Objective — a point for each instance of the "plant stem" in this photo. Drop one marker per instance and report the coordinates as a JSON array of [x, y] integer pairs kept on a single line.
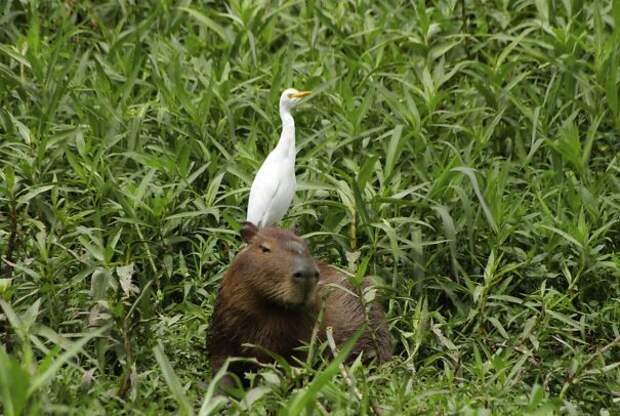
[[12, 243], [571, 378]]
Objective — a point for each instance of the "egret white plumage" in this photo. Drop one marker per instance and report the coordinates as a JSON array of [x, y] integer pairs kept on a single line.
[[274, 185]]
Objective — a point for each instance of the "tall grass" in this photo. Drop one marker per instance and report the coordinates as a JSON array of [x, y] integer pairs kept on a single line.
[[464, 152]]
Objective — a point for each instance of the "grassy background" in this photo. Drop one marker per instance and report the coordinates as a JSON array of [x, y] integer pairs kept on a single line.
[[465, 152]]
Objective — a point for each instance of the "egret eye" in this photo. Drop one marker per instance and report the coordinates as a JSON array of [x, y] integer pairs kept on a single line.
[[265, 249]]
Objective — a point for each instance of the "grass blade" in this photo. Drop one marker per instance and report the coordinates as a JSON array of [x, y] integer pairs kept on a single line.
[[178, 392]]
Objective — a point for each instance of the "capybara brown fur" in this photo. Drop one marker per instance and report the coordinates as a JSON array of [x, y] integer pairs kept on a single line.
[[271, 296]]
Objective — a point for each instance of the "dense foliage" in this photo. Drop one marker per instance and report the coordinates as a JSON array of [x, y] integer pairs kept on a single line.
[[463, 152]]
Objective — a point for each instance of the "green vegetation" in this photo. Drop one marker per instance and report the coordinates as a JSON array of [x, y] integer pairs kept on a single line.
[[465, 152]]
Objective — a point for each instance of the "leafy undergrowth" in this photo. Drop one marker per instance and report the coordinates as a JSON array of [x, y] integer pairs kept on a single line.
[[465, 151]]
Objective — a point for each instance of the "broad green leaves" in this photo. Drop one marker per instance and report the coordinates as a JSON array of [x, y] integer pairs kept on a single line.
[[465, 154]]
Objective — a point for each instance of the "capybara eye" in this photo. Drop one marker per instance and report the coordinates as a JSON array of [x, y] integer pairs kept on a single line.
[[265, 249]]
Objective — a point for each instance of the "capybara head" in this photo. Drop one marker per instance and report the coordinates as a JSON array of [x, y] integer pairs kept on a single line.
[[278, 266]]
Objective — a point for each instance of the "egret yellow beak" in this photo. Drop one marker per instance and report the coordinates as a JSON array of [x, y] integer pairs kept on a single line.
[[300, 94]]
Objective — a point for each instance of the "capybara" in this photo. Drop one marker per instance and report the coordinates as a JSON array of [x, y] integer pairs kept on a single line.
[[271, 297]]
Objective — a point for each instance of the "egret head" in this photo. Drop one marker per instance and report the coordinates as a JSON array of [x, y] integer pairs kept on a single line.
[[291, 97]]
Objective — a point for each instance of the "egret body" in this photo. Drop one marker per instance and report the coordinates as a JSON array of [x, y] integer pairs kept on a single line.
[[274, 185]]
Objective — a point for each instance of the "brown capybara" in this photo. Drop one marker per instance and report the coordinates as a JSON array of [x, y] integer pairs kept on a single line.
[[271, 296]]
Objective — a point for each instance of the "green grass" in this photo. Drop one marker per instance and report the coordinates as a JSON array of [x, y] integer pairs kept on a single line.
[[465, 152]]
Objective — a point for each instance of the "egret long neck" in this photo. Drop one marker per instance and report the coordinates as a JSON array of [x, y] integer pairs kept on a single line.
[[286, 145]]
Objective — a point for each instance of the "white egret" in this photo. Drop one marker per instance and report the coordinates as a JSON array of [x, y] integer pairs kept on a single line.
[[274, 185]]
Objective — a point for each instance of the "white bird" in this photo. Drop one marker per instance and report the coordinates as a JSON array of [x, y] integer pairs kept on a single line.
[[274, 185]]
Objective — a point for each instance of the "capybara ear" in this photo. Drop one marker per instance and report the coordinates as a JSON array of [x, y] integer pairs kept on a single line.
[[248, 231], [294, 229]]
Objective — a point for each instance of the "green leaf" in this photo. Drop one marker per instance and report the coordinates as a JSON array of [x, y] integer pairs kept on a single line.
[[470, 173], [615, 7], [5, 284], [211, 402], [178, 392], [11, 316], [300, 400], [14, 381], [207, 22], [394, 148], [24, 199], [41, 379], [564, 235], [611, 86], [366, 172]]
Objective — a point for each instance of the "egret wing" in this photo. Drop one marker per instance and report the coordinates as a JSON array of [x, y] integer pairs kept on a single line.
[[263, 191]]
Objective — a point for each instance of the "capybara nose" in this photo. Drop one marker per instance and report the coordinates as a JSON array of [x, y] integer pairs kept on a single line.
[[306, 272]]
